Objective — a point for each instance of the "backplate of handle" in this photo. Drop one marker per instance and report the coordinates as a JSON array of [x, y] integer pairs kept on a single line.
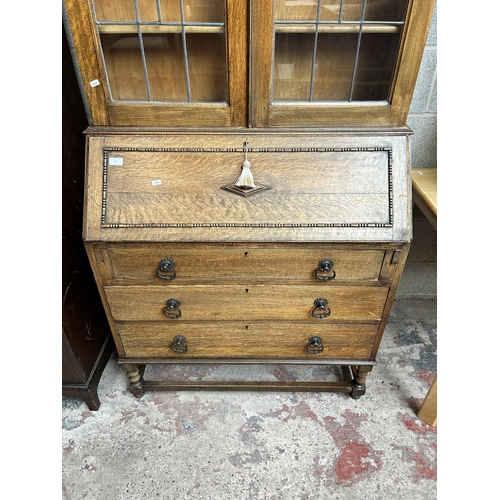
[[166, 269], [180, 344], [325, 271], [172, 309], [321, 309], [314, 345]]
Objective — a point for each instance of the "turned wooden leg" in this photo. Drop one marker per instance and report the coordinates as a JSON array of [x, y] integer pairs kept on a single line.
[[358, 385], [135, 377]]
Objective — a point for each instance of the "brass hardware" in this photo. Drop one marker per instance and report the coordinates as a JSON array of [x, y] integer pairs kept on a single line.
[[314, 345], [172, 305], [321, 309], [179, 344], [166, 266], [325, 267]]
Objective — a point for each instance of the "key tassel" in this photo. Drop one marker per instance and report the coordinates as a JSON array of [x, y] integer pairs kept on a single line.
[[245, 180]]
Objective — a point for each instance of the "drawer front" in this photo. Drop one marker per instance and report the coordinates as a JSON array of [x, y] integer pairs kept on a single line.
[[246, 303], [247, 340], [209, 262]]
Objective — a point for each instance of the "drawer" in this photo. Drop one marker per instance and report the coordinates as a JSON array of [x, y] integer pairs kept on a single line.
[[238, 262], [246, 303], [247, 340]]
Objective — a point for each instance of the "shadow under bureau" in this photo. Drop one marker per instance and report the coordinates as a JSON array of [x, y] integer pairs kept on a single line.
[[297, 264]]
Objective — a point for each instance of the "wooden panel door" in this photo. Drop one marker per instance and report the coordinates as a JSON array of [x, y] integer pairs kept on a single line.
[[165, 63], [335, 63]]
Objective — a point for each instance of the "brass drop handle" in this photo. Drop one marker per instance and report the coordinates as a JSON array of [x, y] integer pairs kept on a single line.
[[179, 344], [314, 345], [325, 270], [172, 305], [321, 309], [166, 269]]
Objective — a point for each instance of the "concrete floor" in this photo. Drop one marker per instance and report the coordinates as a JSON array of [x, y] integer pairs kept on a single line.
[[278, 445]]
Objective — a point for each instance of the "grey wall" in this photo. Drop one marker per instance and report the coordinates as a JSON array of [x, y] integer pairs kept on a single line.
[[422, 117], [420, 274]]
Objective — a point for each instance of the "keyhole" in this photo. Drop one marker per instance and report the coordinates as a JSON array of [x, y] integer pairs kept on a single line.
[[246, 290], [246, 254], [246, 326]]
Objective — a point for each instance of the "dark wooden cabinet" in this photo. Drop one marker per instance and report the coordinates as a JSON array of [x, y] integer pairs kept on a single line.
[[86, 338]]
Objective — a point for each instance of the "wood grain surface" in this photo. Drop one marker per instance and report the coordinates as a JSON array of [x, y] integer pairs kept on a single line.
[[246, 301], [195, 262], [247, 340], [325, 187]]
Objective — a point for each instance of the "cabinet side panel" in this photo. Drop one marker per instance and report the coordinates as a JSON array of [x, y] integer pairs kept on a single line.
[[392, 269], [95, 265], [401, 180]]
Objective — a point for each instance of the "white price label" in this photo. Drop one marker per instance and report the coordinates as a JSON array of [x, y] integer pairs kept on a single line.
[[157, 182], [115, 162], [94, 83]]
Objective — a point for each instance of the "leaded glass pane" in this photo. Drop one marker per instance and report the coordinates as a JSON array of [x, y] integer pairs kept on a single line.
[[163, 50], [336, 50]]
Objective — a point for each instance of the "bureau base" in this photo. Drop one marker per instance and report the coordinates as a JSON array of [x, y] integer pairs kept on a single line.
[[352, 382]]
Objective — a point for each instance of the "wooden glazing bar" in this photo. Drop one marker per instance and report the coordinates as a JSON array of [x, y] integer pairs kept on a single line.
[[114, 29], [337, 28]]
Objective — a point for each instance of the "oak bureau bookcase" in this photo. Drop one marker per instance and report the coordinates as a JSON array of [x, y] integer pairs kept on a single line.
[[248, 187]]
